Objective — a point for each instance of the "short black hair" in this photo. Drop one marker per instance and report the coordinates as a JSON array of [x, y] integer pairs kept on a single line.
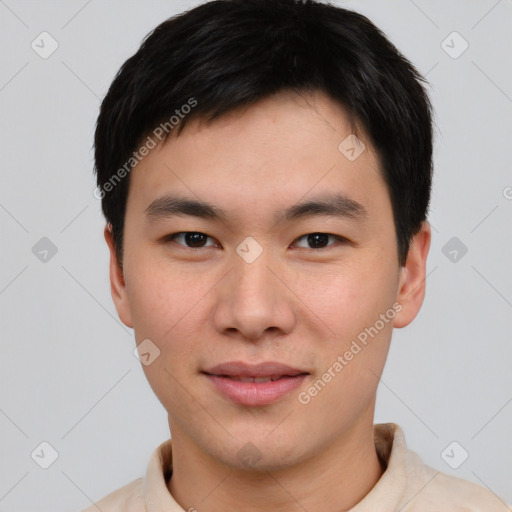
[[227, 54]]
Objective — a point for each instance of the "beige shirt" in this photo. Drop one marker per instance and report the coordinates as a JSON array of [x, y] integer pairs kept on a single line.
[[407, 485]]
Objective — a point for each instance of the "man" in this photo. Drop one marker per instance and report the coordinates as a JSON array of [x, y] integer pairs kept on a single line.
[[265, 170]]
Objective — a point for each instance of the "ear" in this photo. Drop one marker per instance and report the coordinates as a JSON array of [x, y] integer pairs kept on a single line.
[[411, 283], [117, 284]]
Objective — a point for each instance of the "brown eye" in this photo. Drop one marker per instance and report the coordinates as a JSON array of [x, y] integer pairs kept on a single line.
[[192, 239], [317, 240]]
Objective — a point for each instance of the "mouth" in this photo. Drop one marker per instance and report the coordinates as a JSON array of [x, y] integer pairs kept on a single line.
[[252, 385], [271, 370], [239, 378]]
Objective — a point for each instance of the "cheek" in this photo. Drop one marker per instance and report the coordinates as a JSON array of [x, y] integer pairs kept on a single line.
[[171, 307], [165, 308], [354, 354], [362, 307], [350, 296], [162, 301]]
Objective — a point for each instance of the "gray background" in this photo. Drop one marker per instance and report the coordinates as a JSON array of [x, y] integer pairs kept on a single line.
[[67, 372]]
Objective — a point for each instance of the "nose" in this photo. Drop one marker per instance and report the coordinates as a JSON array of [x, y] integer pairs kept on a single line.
[[253, 301]]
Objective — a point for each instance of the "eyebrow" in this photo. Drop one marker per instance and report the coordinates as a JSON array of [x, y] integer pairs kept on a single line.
[[335, 205]]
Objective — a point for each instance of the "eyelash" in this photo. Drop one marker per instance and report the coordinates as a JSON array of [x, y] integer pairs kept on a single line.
[[172, 238]]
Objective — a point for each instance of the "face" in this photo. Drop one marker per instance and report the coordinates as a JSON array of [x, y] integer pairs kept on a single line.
[[292, 260]]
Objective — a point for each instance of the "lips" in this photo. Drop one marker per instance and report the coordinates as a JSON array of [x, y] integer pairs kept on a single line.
[[255, 379], [238, 370], [254, 385]]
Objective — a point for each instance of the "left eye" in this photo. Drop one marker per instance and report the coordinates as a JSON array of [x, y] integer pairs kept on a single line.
[[317, 240], [193, 239]]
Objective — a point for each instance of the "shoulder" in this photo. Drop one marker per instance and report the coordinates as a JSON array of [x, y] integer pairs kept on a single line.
[[422, 488], [437, 490], [129, 498], [461, 495]]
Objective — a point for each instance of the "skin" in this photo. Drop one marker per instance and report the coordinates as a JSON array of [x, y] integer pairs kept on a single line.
[[294, 304]]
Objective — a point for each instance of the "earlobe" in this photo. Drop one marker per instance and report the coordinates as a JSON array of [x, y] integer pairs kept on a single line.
[[411, 285], [117, 282]]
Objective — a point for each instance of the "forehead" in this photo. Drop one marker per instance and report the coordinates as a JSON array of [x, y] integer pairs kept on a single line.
[[272, 153]]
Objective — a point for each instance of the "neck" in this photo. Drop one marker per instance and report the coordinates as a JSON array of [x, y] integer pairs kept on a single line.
[[334, 478]]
